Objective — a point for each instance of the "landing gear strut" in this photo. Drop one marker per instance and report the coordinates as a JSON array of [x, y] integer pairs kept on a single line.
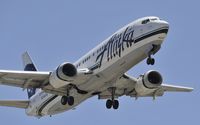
[[112, 102], [150, 60]]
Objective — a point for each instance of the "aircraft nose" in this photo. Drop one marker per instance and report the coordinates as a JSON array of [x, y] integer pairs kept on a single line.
[[164, 24]]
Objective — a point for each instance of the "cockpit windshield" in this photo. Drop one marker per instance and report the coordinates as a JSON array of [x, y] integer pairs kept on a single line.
[[145, 21], [149, 20]]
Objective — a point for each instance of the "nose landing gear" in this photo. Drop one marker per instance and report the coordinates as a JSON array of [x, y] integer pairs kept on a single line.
[[150, 60]]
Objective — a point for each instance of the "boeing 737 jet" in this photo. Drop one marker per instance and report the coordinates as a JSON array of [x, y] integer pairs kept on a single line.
[[101, 72]]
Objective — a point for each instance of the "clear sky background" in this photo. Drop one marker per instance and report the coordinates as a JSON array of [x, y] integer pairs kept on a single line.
[[54, 31]]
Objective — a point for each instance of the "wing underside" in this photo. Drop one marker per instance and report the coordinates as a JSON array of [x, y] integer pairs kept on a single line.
[[173, 88], [23, 79], [125, 85], [29, 79], [16, 104]]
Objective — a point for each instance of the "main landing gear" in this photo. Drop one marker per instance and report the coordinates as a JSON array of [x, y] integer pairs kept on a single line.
[[70, 99], [112, 102], [67, 99]]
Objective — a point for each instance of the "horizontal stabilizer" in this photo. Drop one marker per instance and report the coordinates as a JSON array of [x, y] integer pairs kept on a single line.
[[14, 103]]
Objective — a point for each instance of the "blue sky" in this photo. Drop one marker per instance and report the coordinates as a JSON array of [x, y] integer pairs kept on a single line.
[[54, 31]]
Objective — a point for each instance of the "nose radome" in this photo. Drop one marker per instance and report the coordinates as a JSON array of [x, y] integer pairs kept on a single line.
[[164, 23]]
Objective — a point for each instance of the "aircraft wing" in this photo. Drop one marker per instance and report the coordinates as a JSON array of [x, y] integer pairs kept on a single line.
[[125, 85], [23, 79], [17, 104], [172, 88], [29, 79]]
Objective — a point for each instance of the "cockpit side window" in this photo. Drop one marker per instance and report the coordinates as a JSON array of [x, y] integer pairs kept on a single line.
[[145, 21]]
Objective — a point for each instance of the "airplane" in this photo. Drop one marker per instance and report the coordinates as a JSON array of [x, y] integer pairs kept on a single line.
[[101, 72]]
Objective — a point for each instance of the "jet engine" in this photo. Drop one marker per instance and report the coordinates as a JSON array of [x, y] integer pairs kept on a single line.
[[148, 82], [67, 73], [63, 75]]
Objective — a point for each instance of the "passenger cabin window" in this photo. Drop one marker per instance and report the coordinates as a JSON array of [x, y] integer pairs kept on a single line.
[[145, 21]]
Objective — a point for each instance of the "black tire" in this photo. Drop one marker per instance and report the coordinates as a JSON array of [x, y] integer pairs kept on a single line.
[[70, 100], [115, 104], [64, 100], [148, 61], [109, 104], [152, 61]]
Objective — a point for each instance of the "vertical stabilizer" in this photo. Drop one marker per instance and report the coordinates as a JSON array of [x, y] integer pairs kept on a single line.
[[29, 66]]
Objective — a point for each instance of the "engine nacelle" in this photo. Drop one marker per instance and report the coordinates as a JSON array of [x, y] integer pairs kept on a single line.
[[63, 75], [148, 82], [67, 73]]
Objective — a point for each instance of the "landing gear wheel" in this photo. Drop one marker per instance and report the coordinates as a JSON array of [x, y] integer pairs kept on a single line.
[[115, 104], [150, 61], [64, 100], [109, 104], [70, 100]]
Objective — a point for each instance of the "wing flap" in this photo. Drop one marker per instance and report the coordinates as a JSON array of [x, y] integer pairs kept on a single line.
[[14, 103]]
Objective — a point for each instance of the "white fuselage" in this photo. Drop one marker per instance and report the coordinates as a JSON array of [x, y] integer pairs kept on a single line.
[[108, 61]]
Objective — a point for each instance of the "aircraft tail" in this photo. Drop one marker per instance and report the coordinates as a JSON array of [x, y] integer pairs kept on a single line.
[[29, 66]]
